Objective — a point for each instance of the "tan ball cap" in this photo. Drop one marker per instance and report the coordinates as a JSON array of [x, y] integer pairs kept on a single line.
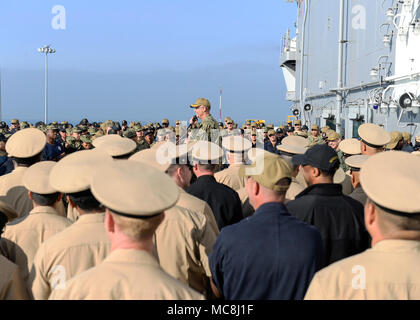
[[332, 136], [236, 144], [8, 211], [374, 135], [295, 141], [392, 180], [74, 172], [396, 137], [161, 158], [356, 161], [350, 146], [26, 143], [201, 102], [204, 152], [134, 189], [37, 178], [275, 169]]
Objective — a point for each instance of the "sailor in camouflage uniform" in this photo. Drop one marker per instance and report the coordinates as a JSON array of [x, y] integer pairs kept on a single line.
[[315, 137], [208, 129]]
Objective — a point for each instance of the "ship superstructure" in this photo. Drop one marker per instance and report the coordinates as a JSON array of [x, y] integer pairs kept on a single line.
[[353, 62]]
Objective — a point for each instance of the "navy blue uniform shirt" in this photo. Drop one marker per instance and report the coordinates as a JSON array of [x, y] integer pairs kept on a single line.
[[52, 151], [268, 256], [269, 147]]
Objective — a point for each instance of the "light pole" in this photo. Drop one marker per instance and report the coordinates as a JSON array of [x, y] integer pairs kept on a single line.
[[46, 50]]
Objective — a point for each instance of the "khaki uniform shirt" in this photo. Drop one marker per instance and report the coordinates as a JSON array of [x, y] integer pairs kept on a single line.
[[12, 286], [388, 271], [199, 206], [230, 177], [294, 189], [126, 274], [183, 243], [243, 195], [29, 232], [81, 246], [72, 213], [344, 179], [14, 193]]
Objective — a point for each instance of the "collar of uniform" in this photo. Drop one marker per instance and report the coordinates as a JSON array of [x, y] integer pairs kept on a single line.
[[235, 165], [91, 218], [322, 189], [181, 190], [396, 245], [207, 178], [277, 207], [44, 209], [20, 169], [132, 256]]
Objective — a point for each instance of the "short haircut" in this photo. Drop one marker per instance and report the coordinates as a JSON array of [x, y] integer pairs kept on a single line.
[[137, 229], [45, 199], [207, 167], [172, 169], [388, 222], [27, 162], [85, 201]]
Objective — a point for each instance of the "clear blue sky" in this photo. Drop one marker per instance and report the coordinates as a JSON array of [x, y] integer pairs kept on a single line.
[[144, 60]]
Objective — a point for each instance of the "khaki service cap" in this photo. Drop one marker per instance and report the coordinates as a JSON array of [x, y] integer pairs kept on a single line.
[[26, 143], [274, 169], [396, 137], [37, 177], [417, 138], [205, 152], [315, 127], [301, 134], [350, 146], [373, 135], [236, 144], [298, 122], [8, 211], [392, 181], [163, 157], [14, 121], [118, 148], [357, 161], [73, 173], [105, 139], [142, 192], [295, 141], [165, 121], [201, 102]]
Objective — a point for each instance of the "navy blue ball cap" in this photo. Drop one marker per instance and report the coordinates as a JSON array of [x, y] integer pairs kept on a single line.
[[319, 156]]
